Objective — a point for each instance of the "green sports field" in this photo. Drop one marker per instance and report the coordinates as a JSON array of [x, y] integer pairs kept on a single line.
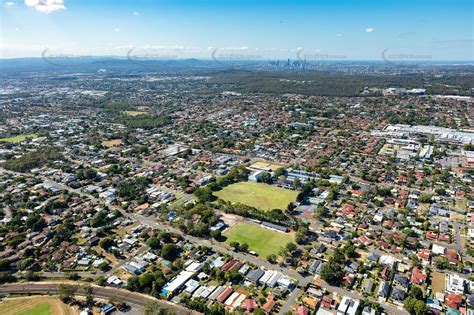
[[38, 309], [261, 240], [257, 195], [18, 138]]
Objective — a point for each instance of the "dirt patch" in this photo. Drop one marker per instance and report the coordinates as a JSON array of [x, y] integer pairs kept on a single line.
[[122, 274], [134, 113], [107, 255], [437, 282], [112, 143], [231, 219]]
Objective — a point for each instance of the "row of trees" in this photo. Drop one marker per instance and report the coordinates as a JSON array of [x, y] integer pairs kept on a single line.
[[33, 159], [236, 174]]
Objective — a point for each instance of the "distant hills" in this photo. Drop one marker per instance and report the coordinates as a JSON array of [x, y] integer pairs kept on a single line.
[[90, 64], [111, 63]]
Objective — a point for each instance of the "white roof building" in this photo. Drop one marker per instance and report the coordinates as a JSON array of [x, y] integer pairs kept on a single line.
[[175, 284], [438, 249], [266, 276], [455, 284]]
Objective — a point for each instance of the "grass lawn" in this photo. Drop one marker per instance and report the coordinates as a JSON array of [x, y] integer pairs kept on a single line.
[[437, 282], [38, 309], [258, 195], [18, 138], [39, 305], [261, 240]]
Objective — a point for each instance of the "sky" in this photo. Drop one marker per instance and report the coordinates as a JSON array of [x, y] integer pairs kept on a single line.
[[231, 29]]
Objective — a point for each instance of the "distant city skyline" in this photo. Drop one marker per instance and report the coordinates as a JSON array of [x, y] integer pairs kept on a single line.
[[235, 30]]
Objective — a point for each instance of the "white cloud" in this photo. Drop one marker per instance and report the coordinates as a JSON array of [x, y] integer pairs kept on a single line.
[[136, 13], [369, 30], [9, 4], [117, 29], [46, 6]]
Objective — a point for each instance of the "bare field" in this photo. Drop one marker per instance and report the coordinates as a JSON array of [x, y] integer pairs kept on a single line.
[[133, 113], [112, 143]]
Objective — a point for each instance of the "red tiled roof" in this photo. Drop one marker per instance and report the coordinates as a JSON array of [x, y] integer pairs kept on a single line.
[[249, 304], [453, 257], [431, 235], [267, 307], [444, 237], [417, 276], [453, 300], [424, 254], [225, 294], [302, 310]]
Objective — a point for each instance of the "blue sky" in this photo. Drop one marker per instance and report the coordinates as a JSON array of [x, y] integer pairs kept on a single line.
[[318, 29]]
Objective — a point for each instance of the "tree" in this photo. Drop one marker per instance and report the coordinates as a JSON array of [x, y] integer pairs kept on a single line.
[[25, 263], [234, 245], [106, 243], [244, 247], [301, 234], [35, 222], [291, 247], [271, 258], [169, 252], [279, 172], [6, 276], [266, 178], [32, 276], [420, 308], [153, 242], [320, 212], [350, 251], [74, 276], [332, 273], [415, 292], [291, 207], [33, 159], [4, 264], [204, 194], [424, 198], [338, 256], [101, 281], [133, 284], [103, 266], [66, 292], [89, 293], [414, 306], [216, 234]]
